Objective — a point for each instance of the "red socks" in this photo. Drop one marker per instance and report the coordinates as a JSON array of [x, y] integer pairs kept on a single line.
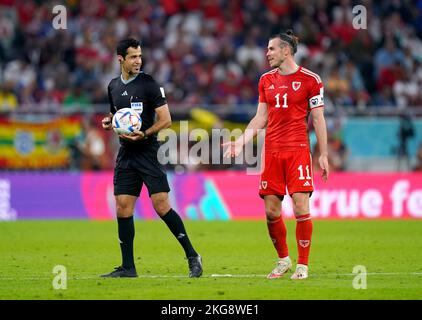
[[303, 237], [278, 233]]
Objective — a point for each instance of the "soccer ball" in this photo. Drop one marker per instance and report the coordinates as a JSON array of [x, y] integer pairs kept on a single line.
[[126, 121]]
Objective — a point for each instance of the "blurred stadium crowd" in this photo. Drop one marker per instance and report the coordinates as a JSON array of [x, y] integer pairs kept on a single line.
[[210, 52]]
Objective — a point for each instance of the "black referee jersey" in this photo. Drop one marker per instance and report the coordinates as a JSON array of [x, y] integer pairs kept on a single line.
[[143, 94]]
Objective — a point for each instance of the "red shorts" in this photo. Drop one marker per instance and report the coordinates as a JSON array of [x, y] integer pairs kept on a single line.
[[291, 169]]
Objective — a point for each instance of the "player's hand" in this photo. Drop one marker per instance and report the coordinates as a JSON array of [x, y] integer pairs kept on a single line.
[[106, 123], [135, 136], [233, 150], [323, 163]]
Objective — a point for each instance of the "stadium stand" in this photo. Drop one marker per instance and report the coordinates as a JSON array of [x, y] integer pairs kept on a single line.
[[211, 58]]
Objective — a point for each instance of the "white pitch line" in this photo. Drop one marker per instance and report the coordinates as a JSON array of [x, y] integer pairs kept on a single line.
[[217, 276], [378, 274], [317, 274]]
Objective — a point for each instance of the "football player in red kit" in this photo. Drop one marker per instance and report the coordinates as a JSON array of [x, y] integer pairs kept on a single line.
[[287, 95]]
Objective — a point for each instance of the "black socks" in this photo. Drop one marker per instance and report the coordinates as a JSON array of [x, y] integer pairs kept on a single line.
[[126, 236], [176, 226]]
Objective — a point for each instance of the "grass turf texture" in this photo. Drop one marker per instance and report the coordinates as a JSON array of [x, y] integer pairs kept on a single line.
[[390, 250]]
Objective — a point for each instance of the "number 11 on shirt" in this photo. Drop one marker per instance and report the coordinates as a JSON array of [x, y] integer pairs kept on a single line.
[[277, 97]]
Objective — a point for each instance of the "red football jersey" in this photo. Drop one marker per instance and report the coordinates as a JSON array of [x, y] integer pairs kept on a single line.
[[289, 100]]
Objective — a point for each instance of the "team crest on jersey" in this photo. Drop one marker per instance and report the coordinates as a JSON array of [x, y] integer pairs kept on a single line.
[[304, 243], [296, 85], [264, 184]]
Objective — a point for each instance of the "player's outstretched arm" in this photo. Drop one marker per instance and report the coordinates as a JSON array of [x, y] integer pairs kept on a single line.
[[321, 134], [258, 122]]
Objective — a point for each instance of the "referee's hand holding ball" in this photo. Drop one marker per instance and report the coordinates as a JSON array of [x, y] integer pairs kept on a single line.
[[135, 136]]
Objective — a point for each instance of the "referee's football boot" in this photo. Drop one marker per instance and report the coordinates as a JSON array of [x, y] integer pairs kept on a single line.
[[195, 266], [120, 272]]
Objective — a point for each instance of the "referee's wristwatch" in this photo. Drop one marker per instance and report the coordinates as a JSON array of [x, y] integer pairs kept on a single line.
[[145, 135]]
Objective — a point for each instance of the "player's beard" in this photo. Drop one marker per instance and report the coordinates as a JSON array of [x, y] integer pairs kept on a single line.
[[280, 62], [276, 63]]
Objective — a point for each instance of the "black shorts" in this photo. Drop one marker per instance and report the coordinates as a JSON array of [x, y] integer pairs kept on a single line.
[[134, 168]]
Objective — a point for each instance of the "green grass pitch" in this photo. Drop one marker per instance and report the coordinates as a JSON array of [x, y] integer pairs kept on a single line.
[[390, 250]]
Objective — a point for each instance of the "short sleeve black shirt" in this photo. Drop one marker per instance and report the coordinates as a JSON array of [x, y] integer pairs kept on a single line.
[[141, 93]]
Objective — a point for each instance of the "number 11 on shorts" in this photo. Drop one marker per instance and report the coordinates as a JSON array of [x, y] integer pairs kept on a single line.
[[301, 177]]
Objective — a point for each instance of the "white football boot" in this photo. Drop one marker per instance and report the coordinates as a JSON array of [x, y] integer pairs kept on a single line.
[[300, 273], [283, 265]]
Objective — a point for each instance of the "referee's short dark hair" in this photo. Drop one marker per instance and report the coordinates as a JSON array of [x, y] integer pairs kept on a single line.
[[124, 44]]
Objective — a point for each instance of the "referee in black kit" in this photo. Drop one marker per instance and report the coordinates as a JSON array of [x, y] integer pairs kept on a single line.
[[137, 161]]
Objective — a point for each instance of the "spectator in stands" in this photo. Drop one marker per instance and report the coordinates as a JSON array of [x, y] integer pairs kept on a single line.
[[57, 71], [8, 100], [250, 51], [195, 31], [406, 91], [342, 28], [363, 58], [387, 56], [54, 96], [76, 98], [349, 71], [228, 90], [22, 76], [418, 166], [358, 93], [99, 95], [338, 88], [383, 98], [390, 75]]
